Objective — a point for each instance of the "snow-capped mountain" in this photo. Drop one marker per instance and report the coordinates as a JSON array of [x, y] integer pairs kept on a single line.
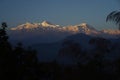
[[48, 32], [87, 29], [34, 25], [81, 28], [48, 26]]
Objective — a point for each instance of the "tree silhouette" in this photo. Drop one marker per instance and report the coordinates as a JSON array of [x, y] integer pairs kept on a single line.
[[16, 63], [115, 17], [6, 56], [26, 63]]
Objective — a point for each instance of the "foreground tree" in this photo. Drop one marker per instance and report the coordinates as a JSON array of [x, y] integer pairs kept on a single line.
[[6, 57], [26, 63], [115, 17], [16, 63]]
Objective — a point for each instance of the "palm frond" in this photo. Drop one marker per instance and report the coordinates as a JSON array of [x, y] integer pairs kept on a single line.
[[110, 16], [115, 17]]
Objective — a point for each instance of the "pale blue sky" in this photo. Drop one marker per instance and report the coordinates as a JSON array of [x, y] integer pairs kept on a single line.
[[62, 12]]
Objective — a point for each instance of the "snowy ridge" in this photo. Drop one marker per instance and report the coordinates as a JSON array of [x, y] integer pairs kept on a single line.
[[34, 25], [87, 29], [48, 32], [81, 28], [112, 32], [48, 26]]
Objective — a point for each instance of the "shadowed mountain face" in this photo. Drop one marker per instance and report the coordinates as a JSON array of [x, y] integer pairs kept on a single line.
[[80, 47], [46, 32]]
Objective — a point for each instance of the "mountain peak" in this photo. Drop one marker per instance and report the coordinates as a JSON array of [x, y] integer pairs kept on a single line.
[[83, 24], [46, 23], [86, 26]]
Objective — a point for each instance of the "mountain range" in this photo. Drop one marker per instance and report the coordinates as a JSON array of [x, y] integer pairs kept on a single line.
[[50, 40], [46, 32]]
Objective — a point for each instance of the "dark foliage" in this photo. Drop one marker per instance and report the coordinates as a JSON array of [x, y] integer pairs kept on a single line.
[[115, 17], [16, 63]]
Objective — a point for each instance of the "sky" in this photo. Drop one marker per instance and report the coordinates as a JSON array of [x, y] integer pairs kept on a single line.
[[61, 12]]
